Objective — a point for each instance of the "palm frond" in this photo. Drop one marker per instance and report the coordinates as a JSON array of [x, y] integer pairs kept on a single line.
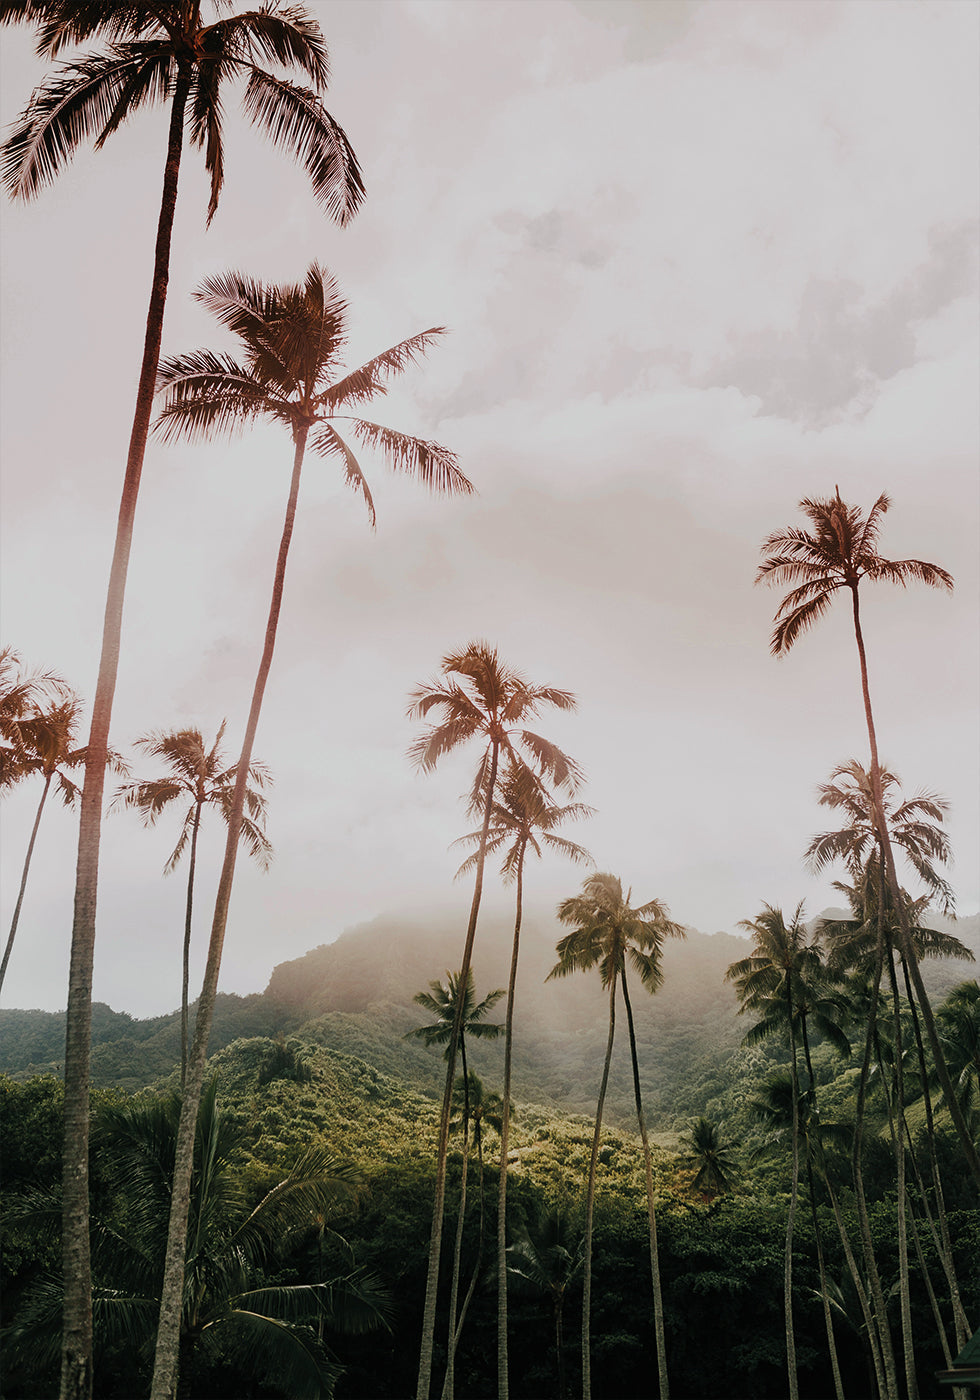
[[74, 105], [326, 440], [369, 380], [435, 466], [295, 118]]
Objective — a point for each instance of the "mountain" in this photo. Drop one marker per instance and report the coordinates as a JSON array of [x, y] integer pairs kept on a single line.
[[354, 996]]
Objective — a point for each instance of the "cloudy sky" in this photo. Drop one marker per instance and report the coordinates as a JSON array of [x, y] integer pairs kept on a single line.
[[699, 259]]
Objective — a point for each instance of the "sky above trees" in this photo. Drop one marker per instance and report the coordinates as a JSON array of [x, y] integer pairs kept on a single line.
[[698, 260]]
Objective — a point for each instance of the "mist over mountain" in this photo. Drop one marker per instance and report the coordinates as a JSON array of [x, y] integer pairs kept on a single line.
[[355, 996]]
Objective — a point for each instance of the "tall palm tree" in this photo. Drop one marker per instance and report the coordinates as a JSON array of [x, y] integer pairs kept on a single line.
[[164, 52], [45, 743], [200, 775], [785, 981], [523, 815], [608, 933], [290, 371], [479, 698], [839, 553], [441, 1002], [232, 1248], [915, 829]]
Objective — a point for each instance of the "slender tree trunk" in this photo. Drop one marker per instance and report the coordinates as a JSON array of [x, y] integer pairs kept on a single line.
[[828, 1320], [874, 1344], [560, 1346], [186, 979], [658, 1304], [937, 1316], [171, 1301], [76, 1342], [944, 1246], [590, 1206], [503, 1383], [794, 1392], [471, 1289], [906, 946], [23, 879], [449, 1381], [435, 1239], [896, 1123], [879, 1311], [811, 1187]]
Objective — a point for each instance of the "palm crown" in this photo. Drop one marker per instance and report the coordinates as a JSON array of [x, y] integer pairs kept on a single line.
[[149, 49], [523, 816], [840, 551], [489, 701], [291, 339], [442, 1002], [608, 931], [786, 980], [915, 825], [198, 774]]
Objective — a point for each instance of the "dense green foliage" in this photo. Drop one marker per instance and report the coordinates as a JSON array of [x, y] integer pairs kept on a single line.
[[350, 1083]]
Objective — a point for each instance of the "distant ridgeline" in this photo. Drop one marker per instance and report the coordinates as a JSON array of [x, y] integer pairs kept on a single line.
[[354, 997]]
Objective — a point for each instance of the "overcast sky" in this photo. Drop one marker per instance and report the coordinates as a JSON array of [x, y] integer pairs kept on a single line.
[[698, 260]]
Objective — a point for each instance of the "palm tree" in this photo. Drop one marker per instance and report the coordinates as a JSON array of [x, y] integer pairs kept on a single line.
[[161, 52], [200, 775], [479, 698], [22, 694], [45, 743], [291, 338], [272, 1328], [548, 1258], [522, 816], [441, 1003], [608, 933], [714, 1157], [784, 979], [915, 827], [840, 552]]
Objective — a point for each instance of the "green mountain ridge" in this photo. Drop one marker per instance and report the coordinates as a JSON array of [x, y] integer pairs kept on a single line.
[[354, 996]]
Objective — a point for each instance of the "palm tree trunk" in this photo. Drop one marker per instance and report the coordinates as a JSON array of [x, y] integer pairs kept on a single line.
[[165, 1366], [448, 1383], [794, 1392], [76, 1342], [590, 1205], [186, 979], [23, 880], [811, 1187], [503, 1383], [478, 1139], [435, 1239], [906, 946], [828, 1320], [896, 1124], [874, 1279], [658, 1305], [944, 1245]]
